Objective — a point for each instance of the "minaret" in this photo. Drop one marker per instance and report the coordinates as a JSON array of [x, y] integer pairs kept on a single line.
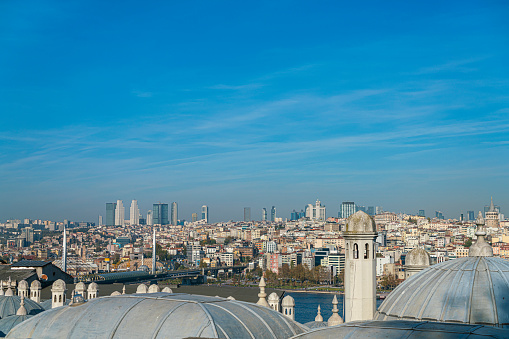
[[262, 295], [154, 252], [319, 317], [64, 254], [335, 318], [360, 267], [480, 248]]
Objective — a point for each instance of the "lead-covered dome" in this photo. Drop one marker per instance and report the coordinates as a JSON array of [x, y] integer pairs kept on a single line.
[[472, 290], [159, 315], [9, 305], [417, 257], [360, 222]]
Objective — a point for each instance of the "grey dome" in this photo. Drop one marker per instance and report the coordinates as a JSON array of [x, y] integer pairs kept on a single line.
[[159, 315], [470, 290], [23, 285], [400, 329], [273, 297], [288, 301], [9, 305], [360, 222], [417, 257], [35, 284], [6, 324]]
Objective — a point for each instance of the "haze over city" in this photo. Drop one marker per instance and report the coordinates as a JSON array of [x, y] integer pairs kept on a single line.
[[262, 104]]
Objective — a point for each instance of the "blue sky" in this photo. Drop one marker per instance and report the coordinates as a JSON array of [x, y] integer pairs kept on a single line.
[[236, 104]]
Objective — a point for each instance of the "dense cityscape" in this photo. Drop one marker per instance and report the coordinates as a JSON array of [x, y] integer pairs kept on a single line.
[[307, 238]]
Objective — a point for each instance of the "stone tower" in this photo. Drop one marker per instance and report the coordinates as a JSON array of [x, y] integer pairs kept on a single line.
[[93, 291], [58, 290], [288, 307], [23, 289], [416, 260], [80, 288], [360, 264], [492, 220], [274, 301], [35, 291]]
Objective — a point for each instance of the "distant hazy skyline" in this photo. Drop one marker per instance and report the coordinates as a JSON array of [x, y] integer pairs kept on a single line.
[[252, 104]]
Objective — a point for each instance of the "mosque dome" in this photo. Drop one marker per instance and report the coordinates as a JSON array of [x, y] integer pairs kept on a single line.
[[417, 257], [36, 284], [468, 290], [399, 329], [159, 315], [9, 305], [58, 286], [93, 287], [360, 222], [6, 324], [273, 297], [23, 285], [288, 301]]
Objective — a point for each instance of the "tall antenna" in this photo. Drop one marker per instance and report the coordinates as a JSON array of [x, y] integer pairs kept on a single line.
[[154, 252], [64, 255]]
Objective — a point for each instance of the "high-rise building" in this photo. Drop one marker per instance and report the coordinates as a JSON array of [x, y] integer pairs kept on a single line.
[[371, 210], [347, 208], [264, 214], [379, 210], [150, 221], [160, 214], [119, 214], [174, 214], [205, 213], [273, 214], [100, 220], [439, 215], [422, 213], [134, 213], [110, 213], [247, 214], [471, 215], [316, 212], [294, 215], [194, 217]]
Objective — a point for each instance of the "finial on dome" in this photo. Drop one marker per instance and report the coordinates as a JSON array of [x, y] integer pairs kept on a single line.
[[22, 310], [318, 317], [335, 319], [480, 248], [123, 290], [9, 292], [262, 301]]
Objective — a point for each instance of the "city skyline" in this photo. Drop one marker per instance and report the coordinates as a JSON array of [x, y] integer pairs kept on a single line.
[[402, 106]]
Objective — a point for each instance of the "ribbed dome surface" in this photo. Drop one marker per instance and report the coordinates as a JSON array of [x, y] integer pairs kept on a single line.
[[9, 305], [6, 324], [159, 315], [473, 290]]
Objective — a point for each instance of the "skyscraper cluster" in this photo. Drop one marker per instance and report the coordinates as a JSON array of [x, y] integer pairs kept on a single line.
[[158, 215]]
